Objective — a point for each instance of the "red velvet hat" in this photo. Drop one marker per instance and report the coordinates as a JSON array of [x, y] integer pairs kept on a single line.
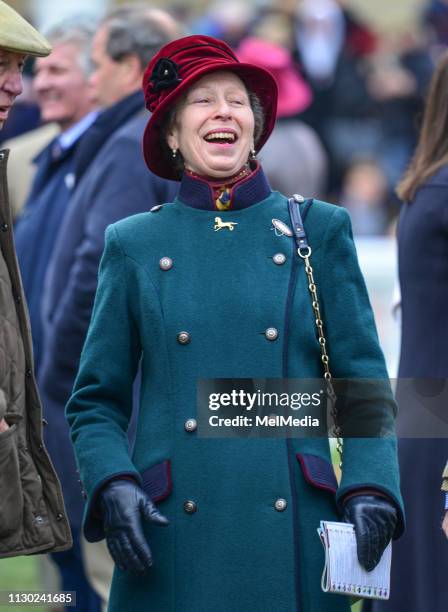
[[175, 68]]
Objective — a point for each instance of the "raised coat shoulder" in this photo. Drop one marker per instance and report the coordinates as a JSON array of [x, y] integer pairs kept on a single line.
[[325, 221]]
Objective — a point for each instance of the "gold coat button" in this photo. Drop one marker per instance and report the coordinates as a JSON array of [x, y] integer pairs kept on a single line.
[[190, 507], [279, 259], [166, 263], [280, 504], [271, 333], [191, 425], [183, 337]]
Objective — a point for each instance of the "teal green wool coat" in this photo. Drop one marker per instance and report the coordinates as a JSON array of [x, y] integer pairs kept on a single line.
[[236, 552]]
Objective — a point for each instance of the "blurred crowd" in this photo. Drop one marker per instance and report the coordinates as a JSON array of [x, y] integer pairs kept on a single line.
[[350, 103], [350, 98]]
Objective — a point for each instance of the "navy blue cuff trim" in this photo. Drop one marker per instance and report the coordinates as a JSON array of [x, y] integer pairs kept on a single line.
[[318, 472], [157, 481]]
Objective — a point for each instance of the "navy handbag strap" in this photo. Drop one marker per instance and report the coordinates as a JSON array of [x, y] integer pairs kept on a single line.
[[304, 253], [297, 219]]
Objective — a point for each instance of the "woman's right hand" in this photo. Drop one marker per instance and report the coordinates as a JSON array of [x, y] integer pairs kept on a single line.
[[124, 504]]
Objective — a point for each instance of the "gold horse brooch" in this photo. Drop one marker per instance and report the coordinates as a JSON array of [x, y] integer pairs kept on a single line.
[[220, 224]]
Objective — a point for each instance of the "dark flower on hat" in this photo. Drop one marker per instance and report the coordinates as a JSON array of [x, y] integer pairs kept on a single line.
[[165, 74]]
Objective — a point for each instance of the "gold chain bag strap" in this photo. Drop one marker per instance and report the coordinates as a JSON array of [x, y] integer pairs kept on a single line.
[[304, 252]]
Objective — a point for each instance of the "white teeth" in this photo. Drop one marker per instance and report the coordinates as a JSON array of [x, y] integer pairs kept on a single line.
[[221, 136]]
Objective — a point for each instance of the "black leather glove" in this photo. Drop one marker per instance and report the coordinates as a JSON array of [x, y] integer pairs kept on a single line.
[[375, 519], [124, 504]]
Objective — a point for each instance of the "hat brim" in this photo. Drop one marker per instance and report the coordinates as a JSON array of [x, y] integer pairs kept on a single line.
[[19, 36], [257, 80], [24, 49]]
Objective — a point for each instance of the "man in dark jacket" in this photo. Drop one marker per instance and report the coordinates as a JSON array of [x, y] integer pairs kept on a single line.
[[32, 509], [64, 96], [115, 185]]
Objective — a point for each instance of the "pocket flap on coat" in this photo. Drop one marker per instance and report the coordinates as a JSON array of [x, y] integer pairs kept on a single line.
[[156, 481], [318, 472]]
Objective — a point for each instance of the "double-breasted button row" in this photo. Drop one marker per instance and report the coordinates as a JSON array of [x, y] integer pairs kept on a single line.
[[271, 334], [166, 263], [191, 506]]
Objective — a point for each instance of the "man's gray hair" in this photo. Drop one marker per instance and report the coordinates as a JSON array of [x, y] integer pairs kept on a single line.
[[138, 30], [78, 31]]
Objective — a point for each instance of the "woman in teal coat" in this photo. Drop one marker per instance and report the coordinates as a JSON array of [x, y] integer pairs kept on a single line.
[[210, 287]]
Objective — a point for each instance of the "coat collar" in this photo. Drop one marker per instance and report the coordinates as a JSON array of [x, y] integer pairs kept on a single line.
[[198, 193], [107, 123]]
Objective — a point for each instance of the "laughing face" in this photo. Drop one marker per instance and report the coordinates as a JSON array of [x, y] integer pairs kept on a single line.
[[11, 66], [214, 126]]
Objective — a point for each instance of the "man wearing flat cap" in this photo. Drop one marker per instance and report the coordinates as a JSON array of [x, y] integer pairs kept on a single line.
[[33, 518]]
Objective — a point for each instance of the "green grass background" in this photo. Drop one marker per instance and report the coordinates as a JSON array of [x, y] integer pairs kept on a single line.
[[21, 573]]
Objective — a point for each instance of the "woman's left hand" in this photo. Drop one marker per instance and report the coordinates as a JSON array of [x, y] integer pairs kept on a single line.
[[375, 519], [445, 524]]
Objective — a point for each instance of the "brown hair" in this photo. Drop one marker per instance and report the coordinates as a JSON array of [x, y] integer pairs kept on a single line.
[[168, 122], [432, 148]]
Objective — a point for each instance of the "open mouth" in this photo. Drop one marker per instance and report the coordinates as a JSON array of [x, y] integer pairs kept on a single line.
[[221, 137]]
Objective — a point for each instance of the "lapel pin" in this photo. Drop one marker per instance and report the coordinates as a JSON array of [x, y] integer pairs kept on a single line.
[[220, 224], [280, 228]]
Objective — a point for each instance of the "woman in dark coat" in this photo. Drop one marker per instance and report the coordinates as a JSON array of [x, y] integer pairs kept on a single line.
[[210, 286], [420, 559]]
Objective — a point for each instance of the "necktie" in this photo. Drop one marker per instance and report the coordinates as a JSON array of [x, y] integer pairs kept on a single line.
[[223, 200]]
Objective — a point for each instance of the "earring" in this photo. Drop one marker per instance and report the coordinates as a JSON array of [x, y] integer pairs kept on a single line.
[[174, 153], [253, 153]]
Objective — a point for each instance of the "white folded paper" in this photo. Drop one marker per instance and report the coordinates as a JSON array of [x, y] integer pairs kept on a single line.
[[342, 572]]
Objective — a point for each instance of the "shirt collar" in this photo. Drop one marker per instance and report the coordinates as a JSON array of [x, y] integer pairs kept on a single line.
[[68, 138], [197, 192]]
